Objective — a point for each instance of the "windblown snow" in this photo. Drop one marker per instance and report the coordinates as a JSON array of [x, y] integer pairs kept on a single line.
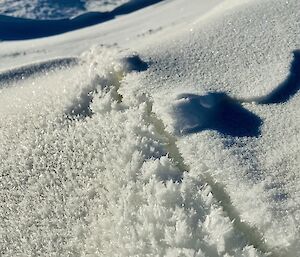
[[155, 135]]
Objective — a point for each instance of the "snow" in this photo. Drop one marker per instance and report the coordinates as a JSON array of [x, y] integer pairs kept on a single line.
[[127, 28], [245, 58], [155, 134], [55, 9], [74, 188], [22, 28]]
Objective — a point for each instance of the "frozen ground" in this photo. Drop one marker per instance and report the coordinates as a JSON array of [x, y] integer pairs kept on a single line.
[[155, 134]]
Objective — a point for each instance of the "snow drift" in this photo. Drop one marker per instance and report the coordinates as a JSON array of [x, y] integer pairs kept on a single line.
[[175, 136]]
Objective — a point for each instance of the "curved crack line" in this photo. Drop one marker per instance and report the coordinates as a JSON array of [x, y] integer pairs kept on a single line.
[[252, 235]]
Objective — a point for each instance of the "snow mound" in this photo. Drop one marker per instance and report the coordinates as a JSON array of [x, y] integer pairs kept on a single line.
[[236, 74], [109, 184], [188, 148]]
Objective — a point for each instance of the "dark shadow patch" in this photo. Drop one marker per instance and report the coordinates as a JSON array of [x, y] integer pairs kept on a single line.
[[54, 9], [12, 28], [218, 111], [215, 111], [134, 63], [288, 88]]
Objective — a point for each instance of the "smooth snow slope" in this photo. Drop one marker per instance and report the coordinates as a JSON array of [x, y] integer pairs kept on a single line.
[[169, 140]]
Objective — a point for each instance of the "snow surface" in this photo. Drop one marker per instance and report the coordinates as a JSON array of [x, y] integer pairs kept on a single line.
[[55, 9], [15, 28], [155, 134]]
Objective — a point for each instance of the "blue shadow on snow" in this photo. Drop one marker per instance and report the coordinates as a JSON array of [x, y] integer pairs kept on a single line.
[[215, 111], [218, 111], [12, 28], [288, 88]]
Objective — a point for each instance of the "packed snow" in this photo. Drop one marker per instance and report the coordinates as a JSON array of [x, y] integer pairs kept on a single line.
[[169, 131]]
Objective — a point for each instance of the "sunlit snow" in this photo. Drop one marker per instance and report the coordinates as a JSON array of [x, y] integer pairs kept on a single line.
[[172, 130]]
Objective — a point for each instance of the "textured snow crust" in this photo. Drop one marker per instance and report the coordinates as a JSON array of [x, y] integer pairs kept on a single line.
[[108, 184], [244, 50], [123, 154]]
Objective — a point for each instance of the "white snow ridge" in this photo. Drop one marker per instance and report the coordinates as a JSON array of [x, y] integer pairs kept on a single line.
[[159, 128]]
